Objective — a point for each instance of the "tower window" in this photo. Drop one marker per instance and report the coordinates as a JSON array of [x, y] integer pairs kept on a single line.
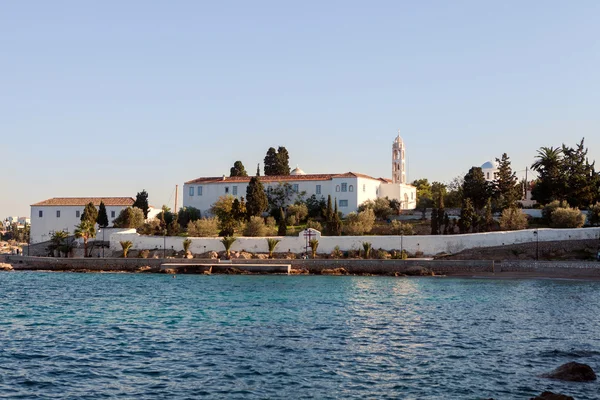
[[344, 187], [337, 188], [351, 188], [226, 189], [57, 213]]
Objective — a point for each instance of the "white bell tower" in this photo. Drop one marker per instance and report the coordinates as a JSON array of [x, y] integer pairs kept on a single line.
[[398, 161]]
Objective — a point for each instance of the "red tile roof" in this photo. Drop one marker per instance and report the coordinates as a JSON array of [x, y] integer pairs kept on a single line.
[[82, 201], [280, 178]]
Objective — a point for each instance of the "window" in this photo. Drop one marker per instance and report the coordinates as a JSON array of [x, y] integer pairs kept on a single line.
[[351, 188], [343, 203], [226, 189], [318, 189], [337, 188], [199, 190], [112, 214], [364, 188], [40, 213], [57, 213], [191, 190], [235, 190], [77, 214], [412, 195], [488, 175], [295, 187], [344, 187]]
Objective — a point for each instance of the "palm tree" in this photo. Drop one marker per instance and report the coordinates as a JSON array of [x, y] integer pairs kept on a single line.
[[126, 245], [186, 246], [85, 230], [547, 159], [272, 243], [367, 249], [228, 242], [314, 244], [57, 239]]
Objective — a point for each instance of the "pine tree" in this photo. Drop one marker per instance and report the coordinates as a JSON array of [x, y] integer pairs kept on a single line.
[[283, 161], [256, 199], [476, 188], [506, 190], [329, 210], [281, 225], [238, 169], [467, 216], [90, 213], [102, 218], [270, 163], [434, 222], [581, 178], [258, 169], [141, 202]]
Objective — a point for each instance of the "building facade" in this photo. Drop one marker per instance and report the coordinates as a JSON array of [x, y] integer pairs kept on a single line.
[[64, 214], [349, 189]]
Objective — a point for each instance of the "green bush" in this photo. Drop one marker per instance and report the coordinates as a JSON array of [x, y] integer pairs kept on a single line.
[[594, 214], [130, 217], [399, 228], [204, 227], [550, 208], [567, 218], [314, 225], [359, 224], [513, 219], [299, 211], [255, 227]]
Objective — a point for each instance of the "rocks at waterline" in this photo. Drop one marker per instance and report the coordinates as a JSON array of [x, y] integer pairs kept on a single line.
[[552, 396], [5, 267], [573, 372]]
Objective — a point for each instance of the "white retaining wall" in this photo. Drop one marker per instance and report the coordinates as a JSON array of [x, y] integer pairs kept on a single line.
[[429, 245]]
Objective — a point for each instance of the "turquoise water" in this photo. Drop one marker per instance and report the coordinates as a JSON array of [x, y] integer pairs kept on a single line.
[[93, 336]]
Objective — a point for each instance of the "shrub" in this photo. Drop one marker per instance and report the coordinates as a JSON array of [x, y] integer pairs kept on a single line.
[[513, 219], [380, 206], [567, 218], [299, 211], [382, 254], [314, 245], [291, 220], [550, 208], [270, 222], [227, 243], [204, 227], [255, 227], [316, 225], [151, 227], [594, 214], [144, 253], [272, 243], [398, 228], [337, 253], [359, 224]]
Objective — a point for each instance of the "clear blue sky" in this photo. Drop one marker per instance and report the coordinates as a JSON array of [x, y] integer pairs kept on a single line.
[[107, 98]]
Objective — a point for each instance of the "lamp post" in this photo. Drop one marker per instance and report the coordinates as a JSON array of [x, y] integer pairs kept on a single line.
[[537, 245]]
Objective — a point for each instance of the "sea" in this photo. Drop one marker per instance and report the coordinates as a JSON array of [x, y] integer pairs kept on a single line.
[[151, 336]]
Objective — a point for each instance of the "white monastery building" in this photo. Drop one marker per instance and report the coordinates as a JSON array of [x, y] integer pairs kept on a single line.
[[64, 213], [490, 170], [350, 189]]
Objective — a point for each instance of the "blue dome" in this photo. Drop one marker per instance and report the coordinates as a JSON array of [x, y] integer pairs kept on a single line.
[[488, 165]]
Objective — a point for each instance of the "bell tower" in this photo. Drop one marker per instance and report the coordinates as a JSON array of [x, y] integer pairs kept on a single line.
[[398, 161]]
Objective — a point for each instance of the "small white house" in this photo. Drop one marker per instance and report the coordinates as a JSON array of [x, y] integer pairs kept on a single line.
[[490, 170], [64, 213]]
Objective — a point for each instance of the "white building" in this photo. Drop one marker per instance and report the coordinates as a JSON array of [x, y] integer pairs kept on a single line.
[[490, 170], [350, 189], [64, 213]]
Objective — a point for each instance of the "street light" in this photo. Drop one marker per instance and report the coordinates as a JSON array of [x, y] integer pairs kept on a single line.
[[537, 245]]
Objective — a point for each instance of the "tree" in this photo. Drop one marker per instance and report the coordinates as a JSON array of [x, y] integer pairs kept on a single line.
[[467, 216], [204, 227], [359, 223], [222, 208], [316, 207], [256, 199], [489, 216], [130, 217], [187, 215], [582, 181], [435, 229], [424, 196], [255, 227], [281, 225], [126, 245], [238, 169], [58, 240], [550, 184], [277, 162], [141, 202], [270, 162], [299, 211], [329, 210], [513, 219], [86, 230], [272, 243], [227, 243], [506, 185], [238, 209], [476, 188], [380, 206], [567, 218], [90, 213], [594, 214], [281, 196], [454, 196], [335, 224], [314, 245], [186, 246], [102, 218]]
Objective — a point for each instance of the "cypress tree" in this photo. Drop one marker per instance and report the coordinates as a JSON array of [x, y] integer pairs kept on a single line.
[[256, 199], [283, 161], [102, 218], [90, 213], [281, 226], [507, 191], [270, 162], [141, 202], [238, 169], [335, 224], [434, 222], [329, 210]]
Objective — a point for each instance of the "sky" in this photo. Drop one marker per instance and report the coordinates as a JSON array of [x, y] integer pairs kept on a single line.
[[107, 98]]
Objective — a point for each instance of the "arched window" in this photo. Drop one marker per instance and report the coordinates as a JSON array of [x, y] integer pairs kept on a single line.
[[351, 188], [337, 188]]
